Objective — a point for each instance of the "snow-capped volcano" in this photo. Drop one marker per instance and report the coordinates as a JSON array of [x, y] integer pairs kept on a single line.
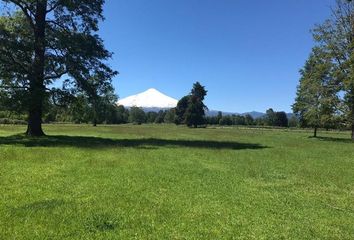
[[151, 98]]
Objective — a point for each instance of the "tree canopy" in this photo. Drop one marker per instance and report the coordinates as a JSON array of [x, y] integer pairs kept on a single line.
[[335, 37], [317, 99], [190, 109], [43, 41]]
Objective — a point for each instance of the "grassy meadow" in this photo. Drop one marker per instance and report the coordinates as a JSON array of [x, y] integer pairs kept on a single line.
[[169, 182]]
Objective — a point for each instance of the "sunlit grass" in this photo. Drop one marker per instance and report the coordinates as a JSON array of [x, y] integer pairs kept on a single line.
[[168, 182]]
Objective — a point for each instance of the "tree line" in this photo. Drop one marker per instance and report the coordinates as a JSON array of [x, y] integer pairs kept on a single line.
[[271, 118], [102, 109]]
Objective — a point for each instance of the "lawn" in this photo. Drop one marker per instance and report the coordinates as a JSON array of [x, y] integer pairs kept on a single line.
[[169, 182]]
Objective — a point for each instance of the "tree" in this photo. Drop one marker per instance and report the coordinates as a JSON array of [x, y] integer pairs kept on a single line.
[[122, 114], [316, 97], [249, 119], [214, 120], [170, 116], [281, 120], [151, 117], [336, 35], [226, 120], [260, 121], [137, 115], [160, 117], [219, 116], [101, 97], [238, 120], [80, 110], [181, 109], [12, 100], [195, 112], [270, 117], [293, 122], [47, 40]]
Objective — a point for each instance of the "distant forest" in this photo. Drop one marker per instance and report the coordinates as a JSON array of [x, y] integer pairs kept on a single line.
[[80, 112]]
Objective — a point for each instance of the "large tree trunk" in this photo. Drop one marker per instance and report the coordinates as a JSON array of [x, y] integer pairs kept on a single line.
[[352, 110], [94, 121], [34, 127], [315, 132], [352, 118], [37, 89]]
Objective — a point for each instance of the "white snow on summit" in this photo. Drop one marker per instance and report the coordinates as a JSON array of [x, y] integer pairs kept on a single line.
[[151, 98]]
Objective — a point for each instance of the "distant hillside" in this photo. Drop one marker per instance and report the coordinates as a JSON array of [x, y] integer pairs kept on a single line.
[[212, 113], [254, 114]]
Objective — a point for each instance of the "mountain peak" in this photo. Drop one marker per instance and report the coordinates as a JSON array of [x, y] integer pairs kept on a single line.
[[152, 91], [151, 98]]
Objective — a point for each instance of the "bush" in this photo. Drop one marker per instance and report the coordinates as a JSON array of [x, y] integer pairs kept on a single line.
[[5, 121], [12, 121]]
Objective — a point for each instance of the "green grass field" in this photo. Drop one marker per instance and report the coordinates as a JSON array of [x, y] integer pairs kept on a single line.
[[168, 182]]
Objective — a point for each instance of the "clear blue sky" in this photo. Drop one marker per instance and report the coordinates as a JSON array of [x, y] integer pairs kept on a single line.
[[246, 53]]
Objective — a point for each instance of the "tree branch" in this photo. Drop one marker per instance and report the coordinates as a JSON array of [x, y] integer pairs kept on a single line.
[[18, 63], [56, 75], [26, 10], [54, 6], [13, 87]]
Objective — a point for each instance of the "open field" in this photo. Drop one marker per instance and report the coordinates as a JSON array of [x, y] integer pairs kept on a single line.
[[168, 182]]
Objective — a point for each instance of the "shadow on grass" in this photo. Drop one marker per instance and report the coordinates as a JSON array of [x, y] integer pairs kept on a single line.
[[42, 205], [334, 139], [98, 142], [37, 206]]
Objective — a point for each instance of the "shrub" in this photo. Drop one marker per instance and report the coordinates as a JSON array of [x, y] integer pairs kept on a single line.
[[12, 121]]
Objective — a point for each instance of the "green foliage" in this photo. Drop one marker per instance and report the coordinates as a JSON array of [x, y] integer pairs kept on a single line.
[[316, 101], [238, 120], [137, 115], [191, 109], [281, 120], [160, 117], [170, 116], [122, 115], [214, 120], [260, 121], [270, 117], [151, 117], [45, 41], [100, 95], [226, 121], [293, 122], [249, 119], [81, 111], [12, 121], [335, 37], [273, 118], [181, 109], [194, 115]]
